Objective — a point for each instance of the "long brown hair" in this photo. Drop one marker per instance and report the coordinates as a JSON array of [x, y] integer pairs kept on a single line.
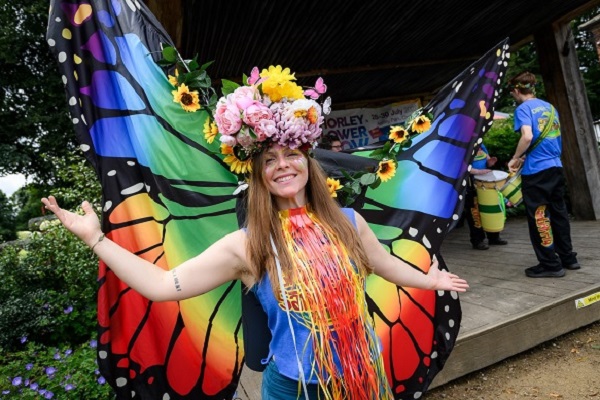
[[263, 222]]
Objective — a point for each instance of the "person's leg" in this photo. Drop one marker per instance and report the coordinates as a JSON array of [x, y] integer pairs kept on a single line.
[[495, 239], [278, 387], [476, 233], [559, 220], [536, 198]]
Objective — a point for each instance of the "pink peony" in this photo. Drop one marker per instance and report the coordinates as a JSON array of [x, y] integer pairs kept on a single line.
[[265, 129], [256, 112], [244, 138], [228, 140], [227, 117], [243, 96]]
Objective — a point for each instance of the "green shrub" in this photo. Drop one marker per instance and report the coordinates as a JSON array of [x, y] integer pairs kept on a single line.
[[48, 290], [501, 141], [38, 372]]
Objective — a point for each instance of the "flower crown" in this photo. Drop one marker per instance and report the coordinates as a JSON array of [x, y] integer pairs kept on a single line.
[[269, 108]]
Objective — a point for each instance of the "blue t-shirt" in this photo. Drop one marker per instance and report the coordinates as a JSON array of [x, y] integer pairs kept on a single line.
[[536, 114], [480, 160]]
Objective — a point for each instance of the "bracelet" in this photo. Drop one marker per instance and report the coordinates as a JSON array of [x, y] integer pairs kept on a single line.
[[101, 238]]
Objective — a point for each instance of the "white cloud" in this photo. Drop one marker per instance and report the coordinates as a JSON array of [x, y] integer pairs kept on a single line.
[[11, 183]]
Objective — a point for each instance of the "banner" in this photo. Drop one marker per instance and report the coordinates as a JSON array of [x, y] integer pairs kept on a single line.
[[360, 127]]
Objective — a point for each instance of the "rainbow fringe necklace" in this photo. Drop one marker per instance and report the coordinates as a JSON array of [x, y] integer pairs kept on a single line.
[[332, 306]]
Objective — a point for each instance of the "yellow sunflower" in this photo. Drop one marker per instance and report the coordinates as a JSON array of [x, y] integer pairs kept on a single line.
[[333, 185], [386, 170], [173, 79], [236, 165], [398, 134], [278, 84], [210, 130], [189, 101], [421, 124]]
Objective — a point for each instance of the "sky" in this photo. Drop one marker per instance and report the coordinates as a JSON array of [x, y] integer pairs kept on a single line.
[[11, 183]]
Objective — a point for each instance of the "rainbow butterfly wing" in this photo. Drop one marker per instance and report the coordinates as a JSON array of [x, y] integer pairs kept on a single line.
[[412, 213], [166, 197]]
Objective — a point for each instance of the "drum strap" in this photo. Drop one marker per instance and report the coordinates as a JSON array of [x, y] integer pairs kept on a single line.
[[546, 130]]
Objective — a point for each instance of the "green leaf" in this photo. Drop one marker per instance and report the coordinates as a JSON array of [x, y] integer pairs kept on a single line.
[[228, 86], [206, 65], [245, 79], [368, 179], [169, 54], [346, 175], [356, 188], [164, 63], [192, 64], [375, 184]]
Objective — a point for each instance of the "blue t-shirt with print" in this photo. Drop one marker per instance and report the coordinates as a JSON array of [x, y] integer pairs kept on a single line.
[[480, 160], [536, 113]]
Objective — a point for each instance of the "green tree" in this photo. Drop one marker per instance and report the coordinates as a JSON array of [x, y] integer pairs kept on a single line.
[[526, 59], [75, 181], [33, 112], [7, 219], [588, 58]]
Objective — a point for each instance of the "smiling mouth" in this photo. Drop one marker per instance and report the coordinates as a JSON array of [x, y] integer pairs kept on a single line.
[[286, 178]]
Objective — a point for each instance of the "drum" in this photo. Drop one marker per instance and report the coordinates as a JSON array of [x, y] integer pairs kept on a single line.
[[512, 189], [490, 200]]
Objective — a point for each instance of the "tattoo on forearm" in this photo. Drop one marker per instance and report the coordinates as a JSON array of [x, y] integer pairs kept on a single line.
[[176, 280]]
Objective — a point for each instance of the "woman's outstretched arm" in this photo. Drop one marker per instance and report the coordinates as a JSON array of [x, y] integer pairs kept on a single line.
[[396, 271], [222, 262]]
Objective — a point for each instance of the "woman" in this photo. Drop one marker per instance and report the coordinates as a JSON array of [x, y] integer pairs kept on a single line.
[[302, 255]]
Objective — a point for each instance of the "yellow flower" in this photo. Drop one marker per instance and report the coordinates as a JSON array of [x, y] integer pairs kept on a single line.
[[278, 84], [421, 124], [189, 101], [236, 165], [333, 185], [173, 79], [398, 134], [210, 130], [386, 170]]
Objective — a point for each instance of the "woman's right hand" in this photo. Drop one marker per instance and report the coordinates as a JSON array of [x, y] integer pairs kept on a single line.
[[86, 227]]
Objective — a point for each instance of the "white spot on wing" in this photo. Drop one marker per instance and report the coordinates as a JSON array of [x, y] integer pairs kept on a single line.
[[132, 189]]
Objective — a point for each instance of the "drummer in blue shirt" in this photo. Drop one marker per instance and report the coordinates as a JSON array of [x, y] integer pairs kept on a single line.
[[538, 153], [481, 165]]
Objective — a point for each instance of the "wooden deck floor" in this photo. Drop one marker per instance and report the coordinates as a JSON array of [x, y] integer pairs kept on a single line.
[[504, 312]]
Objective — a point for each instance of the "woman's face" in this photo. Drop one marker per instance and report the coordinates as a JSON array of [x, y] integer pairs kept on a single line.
[[286, 173]]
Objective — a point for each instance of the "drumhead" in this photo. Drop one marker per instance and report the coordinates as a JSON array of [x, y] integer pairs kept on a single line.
[[492, 176]]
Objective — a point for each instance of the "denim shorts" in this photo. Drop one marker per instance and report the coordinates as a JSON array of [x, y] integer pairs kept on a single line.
[[278, 387]]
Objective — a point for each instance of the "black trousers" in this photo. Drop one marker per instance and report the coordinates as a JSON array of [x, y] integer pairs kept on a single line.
[[547, 217], [476, 232]]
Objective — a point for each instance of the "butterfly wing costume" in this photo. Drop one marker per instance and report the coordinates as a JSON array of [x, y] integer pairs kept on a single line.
[[167, 196]]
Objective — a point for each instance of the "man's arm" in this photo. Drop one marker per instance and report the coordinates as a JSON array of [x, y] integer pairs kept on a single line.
[[526, 137]]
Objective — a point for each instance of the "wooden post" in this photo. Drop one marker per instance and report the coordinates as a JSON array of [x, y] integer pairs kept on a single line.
[[566, 91]]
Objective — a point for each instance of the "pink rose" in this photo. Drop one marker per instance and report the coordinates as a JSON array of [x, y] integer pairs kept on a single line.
[[256, 112], [227, 117]]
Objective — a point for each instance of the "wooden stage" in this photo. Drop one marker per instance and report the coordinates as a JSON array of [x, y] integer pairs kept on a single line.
[[504, 312]]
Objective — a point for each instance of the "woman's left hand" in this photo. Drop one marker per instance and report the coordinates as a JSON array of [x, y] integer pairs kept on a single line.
[[444, 280]]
